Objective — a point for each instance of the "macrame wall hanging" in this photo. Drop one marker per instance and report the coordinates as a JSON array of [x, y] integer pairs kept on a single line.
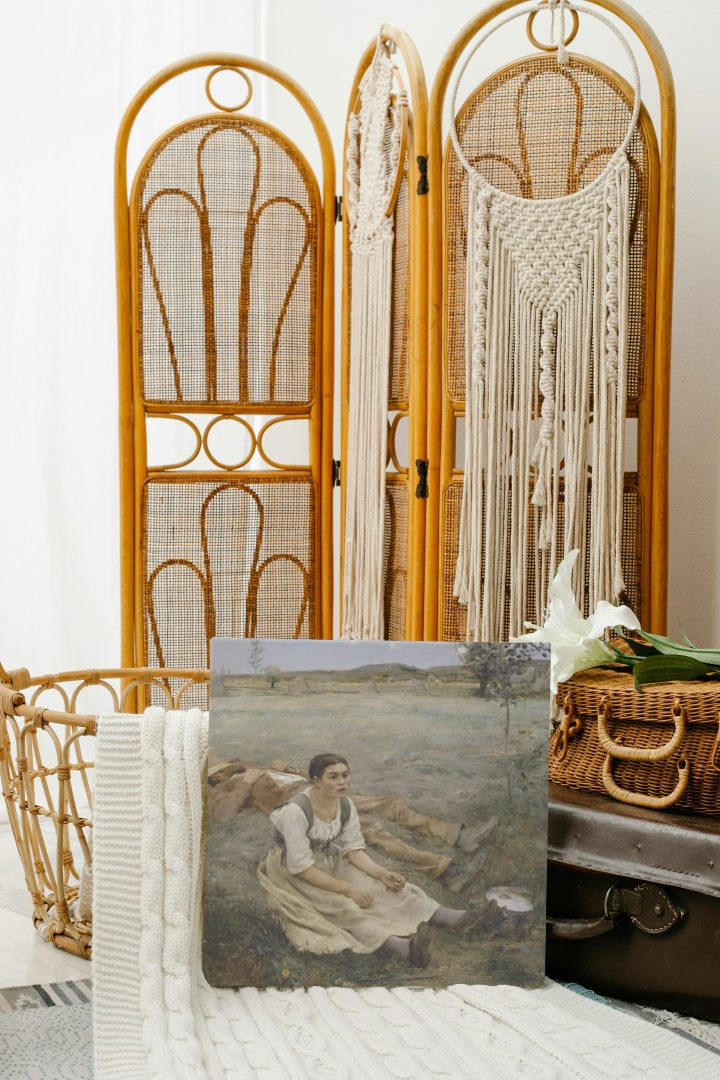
[[375, 160], [546, 338]]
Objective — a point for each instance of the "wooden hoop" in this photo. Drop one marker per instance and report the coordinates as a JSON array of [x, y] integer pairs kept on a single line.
[[238, 71], [551, 48]]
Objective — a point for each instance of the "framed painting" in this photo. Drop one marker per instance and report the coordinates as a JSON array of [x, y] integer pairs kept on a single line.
[[376, 813]]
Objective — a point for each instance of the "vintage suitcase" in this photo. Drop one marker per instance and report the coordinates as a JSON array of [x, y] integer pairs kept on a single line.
[[634, 902]]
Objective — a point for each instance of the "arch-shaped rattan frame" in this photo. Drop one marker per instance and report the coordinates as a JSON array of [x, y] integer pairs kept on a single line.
[[134, 410]]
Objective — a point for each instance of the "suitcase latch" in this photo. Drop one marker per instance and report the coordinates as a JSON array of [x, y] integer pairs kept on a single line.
[[646, 905]]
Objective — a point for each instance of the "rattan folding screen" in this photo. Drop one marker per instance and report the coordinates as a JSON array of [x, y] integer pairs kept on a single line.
[[226, 303], [225, 286]]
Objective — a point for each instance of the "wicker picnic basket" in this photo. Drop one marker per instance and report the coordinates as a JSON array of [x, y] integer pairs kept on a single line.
[[658, 747], [46, 758]]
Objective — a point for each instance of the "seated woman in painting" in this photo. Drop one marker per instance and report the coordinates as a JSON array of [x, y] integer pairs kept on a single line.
[[236, 786], [329, 894]]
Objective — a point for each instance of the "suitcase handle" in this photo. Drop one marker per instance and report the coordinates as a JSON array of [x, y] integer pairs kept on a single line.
[[634, 798], [647, 905], [578, 929], [634, 753]]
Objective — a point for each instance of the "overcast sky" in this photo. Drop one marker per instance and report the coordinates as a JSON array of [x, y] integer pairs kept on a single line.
[[235, 655], [232, 655]]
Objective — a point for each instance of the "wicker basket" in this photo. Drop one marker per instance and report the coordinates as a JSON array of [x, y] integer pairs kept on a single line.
[[46, 754], [658, 747]]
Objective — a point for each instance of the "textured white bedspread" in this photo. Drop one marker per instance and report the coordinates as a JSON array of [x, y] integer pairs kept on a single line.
[[156, 1016]]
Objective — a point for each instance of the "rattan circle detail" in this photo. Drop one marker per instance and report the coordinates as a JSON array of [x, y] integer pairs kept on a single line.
[[238, 71], [553, 46], [261, 447], [215, 460]]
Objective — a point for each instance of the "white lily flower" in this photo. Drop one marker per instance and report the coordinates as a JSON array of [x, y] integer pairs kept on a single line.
[[575, 641]]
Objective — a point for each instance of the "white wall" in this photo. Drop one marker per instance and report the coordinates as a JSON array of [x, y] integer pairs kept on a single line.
[[68, 70]]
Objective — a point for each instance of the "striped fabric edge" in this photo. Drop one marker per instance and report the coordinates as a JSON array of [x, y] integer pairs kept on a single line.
[[45, 995]]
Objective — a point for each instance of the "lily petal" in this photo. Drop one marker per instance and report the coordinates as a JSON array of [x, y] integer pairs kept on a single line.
[[607, 615], [575, 641]]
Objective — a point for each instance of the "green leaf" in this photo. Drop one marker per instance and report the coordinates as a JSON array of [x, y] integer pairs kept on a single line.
[[672, 648], [621, 657], [640, 648], [654, 669]]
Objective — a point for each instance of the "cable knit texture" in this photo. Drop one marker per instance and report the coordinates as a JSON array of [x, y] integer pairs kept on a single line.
[[156, 1016]]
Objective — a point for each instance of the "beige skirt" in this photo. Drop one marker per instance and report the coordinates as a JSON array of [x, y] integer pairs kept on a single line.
[[318, 921]]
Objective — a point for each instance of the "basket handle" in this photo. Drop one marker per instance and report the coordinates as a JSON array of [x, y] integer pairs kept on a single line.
[[715, 753], [652, 802], [570, 726], [634, 753]]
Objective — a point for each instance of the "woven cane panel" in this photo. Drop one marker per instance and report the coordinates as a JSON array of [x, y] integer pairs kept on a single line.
[[540, 131], [396, 556], [232, 558], [399, 388], [226, 217], [453, 615]]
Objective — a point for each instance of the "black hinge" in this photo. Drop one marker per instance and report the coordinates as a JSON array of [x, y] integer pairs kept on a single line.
[[423, 187], [338, 208], [421, 491], [336, 474]]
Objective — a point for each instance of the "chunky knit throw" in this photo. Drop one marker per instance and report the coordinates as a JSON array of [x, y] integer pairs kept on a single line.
[[156, 1016]]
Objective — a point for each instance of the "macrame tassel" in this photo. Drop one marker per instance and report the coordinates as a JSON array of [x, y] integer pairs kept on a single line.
[[367, 436], [370, 170], [542, 458], [605, 573], [472, 533]]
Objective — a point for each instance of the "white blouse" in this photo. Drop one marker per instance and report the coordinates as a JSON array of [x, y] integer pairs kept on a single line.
[[299, 839]]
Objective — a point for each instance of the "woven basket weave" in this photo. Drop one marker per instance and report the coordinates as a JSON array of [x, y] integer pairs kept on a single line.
[[46, 762], [658, 747]]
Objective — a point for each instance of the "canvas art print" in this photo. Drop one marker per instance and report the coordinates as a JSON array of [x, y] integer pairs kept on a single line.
[[376, 813]]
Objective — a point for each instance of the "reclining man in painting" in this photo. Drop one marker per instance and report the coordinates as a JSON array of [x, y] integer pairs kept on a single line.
[[330, 895], [236, 786]]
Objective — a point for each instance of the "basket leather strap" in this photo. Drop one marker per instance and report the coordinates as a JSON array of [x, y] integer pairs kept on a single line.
[[647, 905]]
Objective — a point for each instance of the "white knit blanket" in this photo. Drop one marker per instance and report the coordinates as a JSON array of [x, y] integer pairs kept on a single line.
[[156, 1016]]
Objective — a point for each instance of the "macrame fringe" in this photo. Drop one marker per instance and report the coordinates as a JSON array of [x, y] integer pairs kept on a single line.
[[546, 330], [547, 303], [372, 162]]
